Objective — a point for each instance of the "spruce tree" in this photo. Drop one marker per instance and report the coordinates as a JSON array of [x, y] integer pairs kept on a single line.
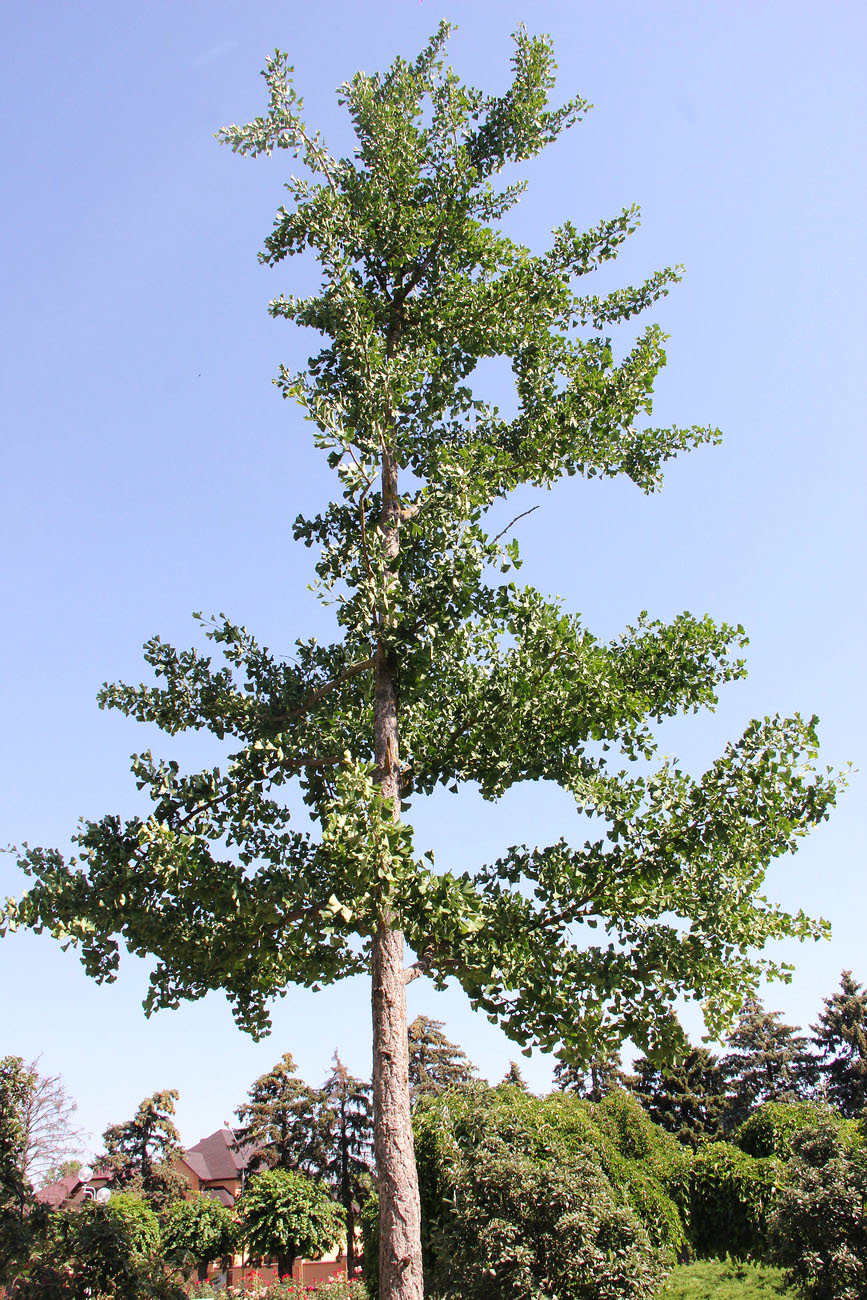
[[279, 1123], [435, 1063], [766, 1060], [841, 1039], [443, 671], [592, 1079], [513, 1078], [141, 1151], [687, 1097], [346, 1125]]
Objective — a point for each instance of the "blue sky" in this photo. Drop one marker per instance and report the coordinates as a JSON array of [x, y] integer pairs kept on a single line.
[[151, 468]]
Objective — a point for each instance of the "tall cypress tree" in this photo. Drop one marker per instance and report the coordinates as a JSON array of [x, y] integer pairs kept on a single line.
[[435, 1062], [766, 1060], [442, 671], [686, 1097], [279, 1121], [840, 1036], [346, 1125]]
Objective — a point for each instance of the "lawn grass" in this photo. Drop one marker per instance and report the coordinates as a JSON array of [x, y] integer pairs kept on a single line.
[[727, 1280]]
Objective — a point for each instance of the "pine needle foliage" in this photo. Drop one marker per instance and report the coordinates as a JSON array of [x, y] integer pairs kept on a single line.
[[840, 1036], [435, 1062]]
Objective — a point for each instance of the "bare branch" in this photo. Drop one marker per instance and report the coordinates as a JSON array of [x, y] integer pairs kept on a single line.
[[522, 515]]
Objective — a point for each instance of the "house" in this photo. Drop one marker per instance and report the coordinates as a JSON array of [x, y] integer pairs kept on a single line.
[[214, 1167]]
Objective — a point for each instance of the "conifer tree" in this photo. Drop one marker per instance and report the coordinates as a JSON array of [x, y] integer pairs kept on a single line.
[[841, 1039], [435, 1063], [687, 1098], [513, 1078], [442, 670], [278, 1123], [592, 1079], [346, 1124], [766, 1060], [140, 1152]]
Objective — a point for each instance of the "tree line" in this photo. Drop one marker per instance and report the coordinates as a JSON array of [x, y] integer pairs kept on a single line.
[[292, 1139], [307, 1152], [704, 1094]]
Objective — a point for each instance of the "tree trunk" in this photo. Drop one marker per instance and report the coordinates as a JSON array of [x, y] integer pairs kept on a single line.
[[350, 1241], [346, 1190], [400, 1272], [285, 1264]]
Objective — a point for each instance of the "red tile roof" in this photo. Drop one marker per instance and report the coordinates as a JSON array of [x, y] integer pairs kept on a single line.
[[217, 1156]]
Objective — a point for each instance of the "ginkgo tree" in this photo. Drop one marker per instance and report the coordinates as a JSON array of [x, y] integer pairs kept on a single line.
[[443, 671]]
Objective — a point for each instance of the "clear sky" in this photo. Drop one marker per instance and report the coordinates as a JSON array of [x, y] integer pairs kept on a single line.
[[151, 468]]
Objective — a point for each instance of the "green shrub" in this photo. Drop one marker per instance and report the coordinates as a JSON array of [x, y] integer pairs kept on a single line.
[[818, 1230], [730, 1196], [518, 1200], [770, 1129], [99, 1252]]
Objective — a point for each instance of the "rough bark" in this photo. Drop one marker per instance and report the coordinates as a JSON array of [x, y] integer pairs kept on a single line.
[[400, 1273], [400, 1270]]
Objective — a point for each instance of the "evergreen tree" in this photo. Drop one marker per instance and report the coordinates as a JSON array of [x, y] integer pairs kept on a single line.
[[766, 1060], [141, 1151], [513, 1078], [279, 1121], [441, 672], [841, 1039], [686, 1098], [435, 1063], [346, 1124], [594, 1078]]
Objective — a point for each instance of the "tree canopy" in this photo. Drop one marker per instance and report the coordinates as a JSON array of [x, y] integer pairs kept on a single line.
[[284, 1215], [686, 1097], [766, 1060], [840, 1035]]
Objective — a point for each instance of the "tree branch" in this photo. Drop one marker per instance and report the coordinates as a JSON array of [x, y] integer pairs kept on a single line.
[[303, 761], [320, 693], [503, 531]]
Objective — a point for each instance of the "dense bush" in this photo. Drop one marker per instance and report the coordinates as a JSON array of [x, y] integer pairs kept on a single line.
[[533, 1197], [335, 1288], [730, 1196], [818, 1230], [646, 1162], [98, 1252], [771, 1127]]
